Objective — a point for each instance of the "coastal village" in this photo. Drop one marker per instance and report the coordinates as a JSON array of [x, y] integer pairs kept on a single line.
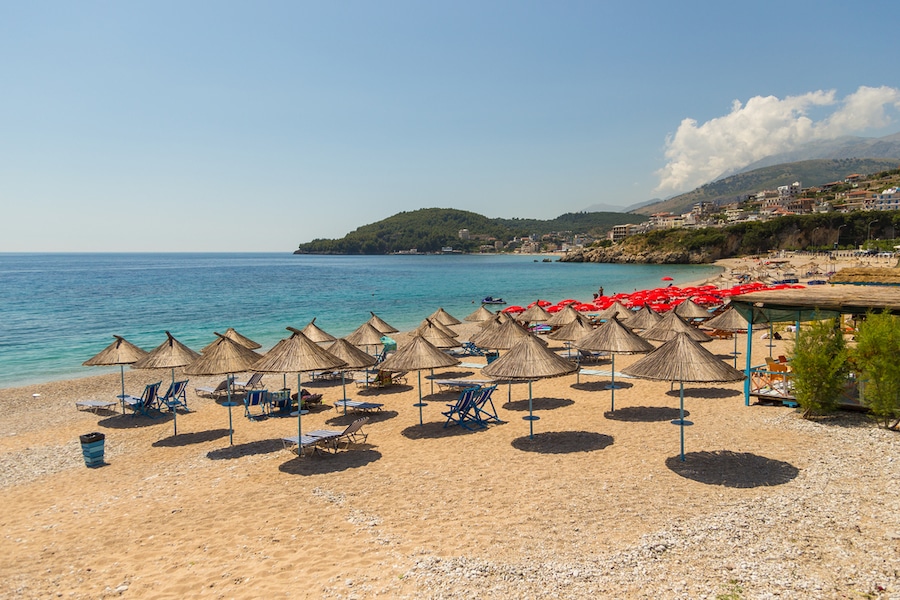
[[856, 192]]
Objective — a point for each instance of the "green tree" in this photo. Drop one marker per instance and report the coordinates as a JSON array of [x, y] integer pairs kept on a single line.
[[819, 365], [877, 355]]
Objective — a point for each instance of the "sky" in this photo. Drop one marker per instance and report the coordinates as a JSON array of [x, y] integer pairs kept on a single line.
[[256, 126]]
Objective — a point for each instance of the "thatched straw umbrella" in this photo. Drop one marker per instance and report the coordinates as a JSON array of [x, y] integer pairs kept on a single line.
[[671, 325], [232, 334], [529, 360], [225, 357], [683, 359], [642, 319], [417, 355], [379, 324], [731, 320], [443, 317], [353, 356], [565, 316], [315, 334], [615, 310], [614, 338], [481, 314], [168, 355], [365, 335], [535, 314], [297, 354], [121, 352], [573, 330], [501, 337], [691, 310], [431, 325]]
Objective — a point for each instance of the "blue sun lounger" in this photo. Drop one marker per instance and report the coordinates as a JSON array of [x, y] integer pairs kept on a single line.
[[143, 404], [460, 412]]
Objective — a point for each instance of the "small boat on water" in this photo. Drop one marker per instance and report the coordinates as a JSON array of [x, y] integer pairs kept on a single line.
[[492, 300]]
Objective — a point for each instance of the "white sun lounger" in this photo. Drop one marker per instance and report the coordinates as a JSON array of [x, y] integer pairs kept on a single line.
[[356, 405], [95, 405]]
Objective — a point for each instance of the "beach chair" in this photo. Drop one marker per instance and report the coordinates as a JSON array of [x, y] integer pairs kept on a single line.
[[251, 384], [299, 445], [175, 396], [95, 406], [361, 406], [217, 391], [483, 409], [143, 404], [352, 434], [281, 401], [460, 410], [256, 404]]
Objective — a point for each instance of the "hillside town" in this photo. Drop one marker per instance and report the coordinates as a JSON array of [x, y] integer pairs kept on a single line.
[[855, 192]]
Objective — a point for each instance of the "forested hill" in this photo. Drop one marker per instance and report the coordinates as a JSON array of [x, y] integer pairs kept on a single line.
[[430, 229]]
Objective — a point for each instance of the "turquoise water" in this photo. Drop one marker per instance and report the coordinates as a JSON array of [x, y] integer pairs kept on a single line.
[[58, 310]]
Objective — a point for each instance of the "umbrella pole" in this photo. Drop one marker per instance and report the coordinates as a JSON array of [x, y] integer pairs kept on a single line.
[[344, 387], [230, 403], [531, 417], [420, 404], [681, 394], [612, 387], [299, 414], [432, 382], [122, 397], [735, 353]]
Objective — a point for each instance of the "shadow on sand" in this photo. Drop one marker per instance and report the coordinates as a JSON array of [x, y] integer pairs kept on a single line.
[[374, 417], [320, 463], [644, 414], [563, 442], [732, 469], [186, 439], [708, 393], [436, 430], [248, 449], [384, 391], [134, 421], [538, 404]]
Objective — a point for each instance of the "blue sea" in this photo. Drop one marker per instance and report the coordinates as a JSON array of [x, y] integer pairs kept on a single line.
[[58, 310]]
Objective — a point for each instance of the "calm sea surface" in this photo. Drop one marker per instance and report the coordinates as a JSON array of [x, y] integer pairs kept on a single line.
[[58, 310]]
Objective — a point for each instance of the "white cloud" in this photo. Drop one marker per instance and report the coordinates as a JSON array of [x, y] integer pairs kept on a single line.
[[766, 125]]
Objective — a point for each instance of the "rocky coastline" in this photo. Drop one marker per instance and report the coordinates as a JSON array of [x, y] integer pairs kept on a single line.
[[614, 254]]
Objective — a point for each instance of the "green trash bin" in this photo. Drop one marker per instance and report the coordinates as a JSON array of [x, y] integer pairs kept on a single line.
[[92, 449]]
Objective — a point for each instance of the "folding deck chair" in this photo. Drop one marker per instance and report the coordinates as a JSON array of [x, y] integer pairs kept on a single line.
[[175, 396], [143, 404], [483, 409], [459, 411], [256, 404]]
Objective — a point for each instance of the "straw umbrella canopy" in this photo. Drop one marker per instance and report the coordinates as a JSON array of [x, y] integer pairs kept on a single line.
[[529, 360], [481, 314], [614, 310], [565, 316], [417, 355], [297, 354], [237, 337], [379, 324], [535, 314], [731, 320], [643, 319], [615, 338], [354, 359], [315, 334], [502, 337], [438, 335], [168, 355], [572, 331], [443, 317], [225, 357], [121, 352], [366, 335], [683, 359], [691, 310], [669, 327]]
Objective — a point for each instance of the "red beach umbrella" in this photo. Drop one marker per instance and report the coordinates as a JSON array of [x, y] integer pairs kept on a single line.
[[667, 278], [513, 309]]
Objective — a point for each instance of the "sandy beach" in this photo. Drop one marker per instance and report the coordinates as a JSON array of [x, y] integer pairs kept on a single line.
[[597, 504]]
